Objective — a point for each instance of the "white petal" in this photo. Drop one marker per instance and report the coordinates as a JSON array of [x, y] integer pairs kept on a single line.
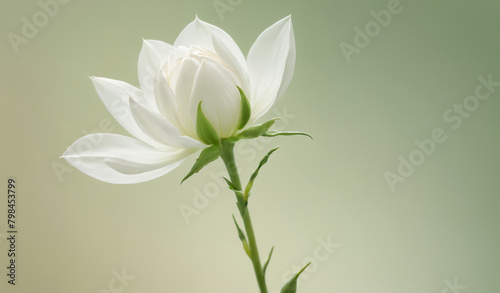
[[165, 99], [151, 57], [183, 90], [199, 33], [271, 63], [160, 129], [215, 85], [120, 159], [239, 67], [115, 95]]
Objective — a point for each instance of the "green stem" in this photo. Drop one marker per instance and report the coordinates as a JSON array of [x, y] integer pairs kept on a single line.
[[227, 155]]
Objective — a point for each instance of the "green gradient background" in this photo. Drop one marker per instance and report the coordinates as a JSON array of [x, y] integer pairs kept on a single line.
[[441, 224]]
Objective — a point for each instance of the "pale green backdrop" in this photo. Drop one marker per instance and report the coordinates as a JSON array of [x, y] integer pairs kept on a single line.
[[436, 231]]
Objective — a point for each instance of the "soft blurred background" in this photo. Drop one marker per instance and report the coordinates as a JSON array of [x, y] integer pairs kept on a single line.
[[327, 201]]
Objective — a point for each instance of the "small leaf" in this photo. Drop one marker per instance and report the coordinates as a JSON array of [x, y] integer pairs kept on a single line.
[[207, 156], [230, 184], [204, 129], [268, 259], [256, 172], [291, 286], [255, 131], [241, 203], [243, 239], [245, 110], [241, 235], [274, 133]]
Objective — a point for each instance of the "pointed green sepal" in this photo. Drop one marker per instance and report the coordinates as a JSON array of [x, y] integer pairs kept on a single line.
[[243, 239], [241, 203], [264, 268], [274, 133], [291, 286], [204, 129], [255, 131], [256, 172], [245, 110], [207, 156]]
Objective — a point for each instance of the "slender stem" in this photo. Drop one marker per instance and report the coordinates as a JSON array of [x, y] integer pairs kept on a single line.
[[252, 243], [227, 155]]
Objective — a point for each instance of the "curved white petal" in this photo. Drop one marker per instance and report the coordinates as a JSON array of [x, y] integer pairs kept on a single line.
[[160, 129], [199, 33], [215, 85], [239, 67], [271, 63], [120, 159], [115, 95], [153, 54], [165, 99], [183, 90]]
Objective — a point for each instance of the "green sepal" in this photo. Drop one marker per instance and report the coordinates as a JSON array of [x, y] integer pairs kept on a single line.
[[254, 131], [246, 194], [204, 129], [207, 156], [291, 286], [274, 133], [245, 110], [240, 199], [264, 268], [243, 239]]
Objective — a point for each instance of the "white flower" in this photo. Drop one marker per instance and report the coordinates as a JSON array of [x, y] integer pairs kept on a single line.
[[203, 65]]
